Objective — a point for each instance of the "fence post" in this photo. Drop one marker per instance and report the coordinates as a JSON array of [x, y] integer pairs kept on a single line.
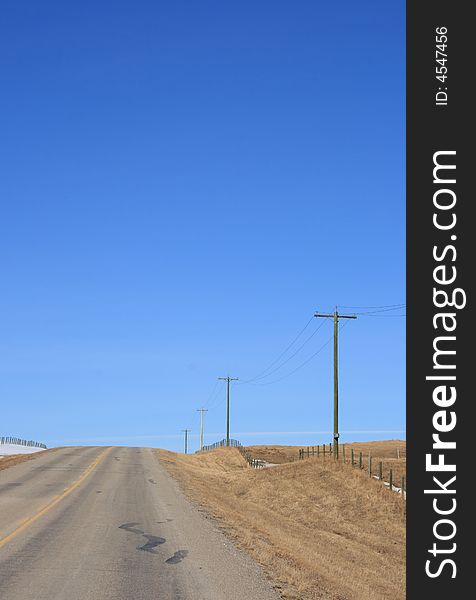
[[308, 451], [360, 460], [352, 457], [391, 480], [317, 450], [324, 450], [380, 470], [370, 465]]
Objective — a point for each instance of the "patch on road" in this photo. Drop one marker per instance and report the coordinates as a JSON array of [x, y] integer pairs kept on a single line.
[[131, 527], [152, 542], [177, 557]]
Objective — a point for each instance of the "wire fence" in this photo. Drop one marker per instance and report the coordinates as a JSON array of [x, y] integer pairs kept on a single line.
[[390, 471], [220, 444], [256, 463], [20, 442]]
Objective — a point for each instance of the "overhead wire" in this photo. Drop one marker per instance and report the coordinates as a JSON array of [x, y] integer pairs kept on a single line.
[[218, 400], [371, 311], [289, 357], [374, 307], [288, 347], [212, 395], [303, 364], [386, 316], [381, 310]]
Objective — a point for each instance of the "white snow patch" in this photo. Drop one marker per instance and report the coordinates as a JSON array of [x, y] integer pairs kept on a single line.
[[7, 449]]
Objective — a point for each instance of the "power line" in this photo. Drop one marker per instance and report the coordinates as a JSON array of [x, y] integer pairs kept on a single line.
[[372, 312], [212, 394], [218, 400], [382, 316], [374, 307], [303, 364], [261, 374], [289, 357], [222, 399]]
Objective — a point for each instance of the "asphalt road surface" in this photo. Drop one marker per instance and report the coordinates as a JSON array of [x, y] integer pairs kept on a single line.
[[110, 524]]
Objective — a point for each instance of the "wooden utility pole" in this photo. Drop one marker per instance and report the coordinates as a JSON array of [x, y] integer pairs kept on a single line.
[[228, 379], [186, 432], [336, 316], [201, 411]]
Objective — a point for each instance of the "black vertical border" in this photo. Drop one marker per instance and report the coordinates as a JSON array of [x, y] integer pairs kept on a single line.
[[432, 128]]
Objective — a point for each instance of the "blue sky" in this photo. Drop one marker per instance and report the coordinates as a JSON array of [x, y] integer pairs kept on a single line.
[[183, 185]]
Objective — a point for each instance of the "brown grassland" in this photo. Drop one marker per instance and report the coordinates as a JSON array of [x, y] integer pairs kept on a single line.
[[320, 529], [392, 454], [13, 459], [388, 449]]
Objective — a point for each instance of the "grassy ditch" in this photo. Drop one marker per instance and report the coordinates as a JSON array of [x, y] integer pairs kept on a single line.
[[321, 530]]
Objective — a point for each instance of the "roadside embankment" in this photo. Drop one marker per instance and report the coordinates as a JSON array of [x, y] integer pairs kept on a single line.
[[320, 529]]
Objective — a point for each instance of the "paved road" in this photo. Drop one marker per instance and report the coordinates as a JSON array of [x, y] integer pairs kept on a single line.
[[110, 524]]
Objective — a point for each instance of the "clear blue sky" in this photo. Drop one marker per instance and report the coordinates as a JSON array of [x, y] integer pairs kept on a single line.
[[183, 185]]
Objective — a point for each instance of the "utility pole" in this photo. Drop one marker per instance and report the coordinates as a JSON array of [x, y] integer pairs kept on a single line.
[[336, 316], [201, 411], [186, 432], [228, 379]]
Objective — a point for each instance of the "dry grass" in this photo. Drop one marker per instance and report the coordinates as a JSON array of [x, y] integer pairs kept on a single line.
[[14, 459], [388, 449], [321, 530], [275, 454], [392, 454]]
